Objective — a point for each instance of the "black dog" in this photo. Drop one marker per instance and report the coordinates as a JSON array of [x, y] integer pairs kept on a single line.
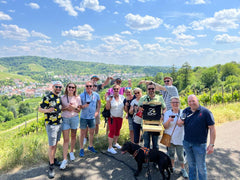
[[142, 155]]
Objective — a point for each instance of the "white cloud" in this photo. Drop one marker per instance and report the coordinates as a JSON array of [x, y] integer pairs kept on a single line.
[[114, 40], [33, 5], [201, 35], [118, 2], [221, 21], [80, 32], [4, 16], [181, 40], [143, 1], [126, 1], [179, 29], [140, 23], [67, 5], [90, 4], [126, 32], [115, 13], [225, 38], [14, 32], [40, 35], [196, 2], [4, 2]]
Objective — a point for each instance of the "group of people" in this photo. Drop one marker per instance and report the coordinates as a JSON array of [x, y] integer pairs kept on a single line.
[[189, 134]]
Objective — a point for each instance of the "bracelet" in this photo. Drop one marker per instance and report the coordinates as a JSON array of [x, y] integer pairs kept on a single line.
[[211, 145]]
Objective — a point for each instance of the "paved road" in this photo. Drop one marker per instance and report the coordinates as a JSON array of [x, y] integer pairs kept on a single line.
[[223, 164]]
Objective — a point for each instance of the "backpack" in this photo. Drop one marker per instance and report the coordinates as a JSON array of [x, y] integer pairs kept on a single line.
[[106, 113]]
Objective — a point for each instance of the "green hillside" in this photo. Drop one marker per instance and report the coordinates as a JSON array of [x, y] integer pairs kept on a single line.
[[3, 69], [7, 76], [32, 65]]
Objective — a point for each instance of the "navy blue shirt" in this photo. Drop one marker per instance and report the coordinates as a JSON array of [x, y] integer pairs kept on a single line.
[[196, 125]]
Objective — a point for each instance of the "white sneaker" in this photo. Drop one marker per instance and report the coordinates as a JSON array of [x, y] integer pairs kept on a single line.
[[112, 151], [72, 157], [64, 164], [84, 141], [117, 146]]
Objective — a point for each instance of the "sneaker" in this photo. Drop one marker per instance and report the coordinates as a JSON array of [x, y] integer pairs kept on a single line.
[[184, 173], [51, 172], [64, 164], [92, 149], [112, 151], [56, 162], [84, 141], [117, 146], [72, 157], [81, 153]]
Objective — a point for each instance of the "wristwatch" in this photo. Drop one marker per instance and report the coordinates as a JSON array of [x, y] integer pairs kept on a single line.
[[211, 145]]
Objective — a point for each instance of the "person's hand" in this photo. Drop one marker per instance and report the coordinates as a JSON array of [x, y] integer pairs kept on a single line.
[[210, 149], [180, 122], [170, 118], [51, 109], [96, 114], [110, 77]]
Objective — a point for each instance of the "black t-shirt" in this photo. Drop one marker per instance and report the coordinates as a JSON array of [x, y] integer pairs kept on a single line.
[[129, 102]]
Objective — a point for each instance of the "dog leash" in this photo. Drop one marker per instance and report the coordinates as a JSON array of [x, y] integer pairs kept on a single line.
[[121, 162]]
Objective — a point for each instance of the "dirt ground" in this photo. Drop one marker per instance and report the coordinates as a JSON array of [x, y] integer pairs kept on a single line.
[[224, 163]]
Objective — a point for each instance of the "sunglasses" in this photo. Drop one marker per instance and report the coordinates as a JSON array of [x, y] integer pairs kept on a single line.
[[94, 85], [88, 86], [128, 88], [118, 82], [151, 89], [137, 93], [60, 87], [174, 102], [71, 87], [115, 89], [166, 81]]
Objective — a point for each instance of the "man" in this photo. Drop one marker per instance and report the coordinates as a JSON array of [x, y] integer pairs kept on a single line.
[[91, 104], [95, 79], [167, 91], [196, 124], [118, 81], [51, 107], [151, 97]]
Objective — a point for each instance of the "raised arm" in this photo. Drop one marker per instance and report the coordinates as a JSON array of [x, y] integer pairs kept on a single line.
[[158, 86]]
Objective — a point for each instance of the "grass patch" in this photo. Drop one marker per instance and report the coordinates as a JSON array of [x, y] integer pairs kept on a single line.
[[36, 68], [5, 75]]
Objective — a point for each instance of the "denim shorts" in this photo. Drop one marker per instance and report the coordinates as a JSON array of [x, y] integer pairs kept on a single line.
[[70, 123], [54, 133], [84, 123], [130, 123]]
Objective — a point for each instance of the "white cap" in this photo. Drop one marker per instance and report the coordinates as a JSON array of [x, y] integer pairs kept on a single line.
[[57, 82]]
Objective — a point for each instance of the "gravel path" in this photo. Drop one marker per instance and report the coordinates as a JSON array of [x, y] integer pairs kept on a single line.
[[223, 164]]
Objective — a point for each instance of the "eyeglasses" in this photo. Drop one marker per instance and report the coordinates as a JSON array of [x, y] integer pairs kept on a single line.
[[60, 87], [115, 89], [166, 81], [151, 89], [174, 102], [88, 86], [137, 93], [71, 87]]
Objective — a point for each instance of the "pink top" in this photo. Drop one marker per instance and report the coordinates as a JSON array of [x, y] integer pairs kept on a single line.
[[74, 101], [121, 91]]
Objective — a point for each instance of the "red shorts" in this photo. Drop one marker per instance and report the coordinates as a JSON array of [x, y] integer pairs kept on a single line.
[[115, 126]]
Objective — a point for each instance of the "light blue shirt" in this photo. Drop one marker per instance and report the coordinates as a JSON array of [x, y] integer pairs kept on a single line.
[[89, 112]]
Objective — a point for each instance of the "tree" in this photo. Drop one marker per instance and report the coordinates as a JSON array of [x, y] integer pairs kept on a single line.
[[24, 108], [209, 77], [184, 76], [9, 116], [229, 69]]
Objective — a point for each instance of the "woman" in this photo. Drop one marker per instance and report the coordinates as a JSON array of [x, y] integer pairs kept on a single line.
[[71, 106], [177, 132], [127, 101], [137, 121], [115, 104]]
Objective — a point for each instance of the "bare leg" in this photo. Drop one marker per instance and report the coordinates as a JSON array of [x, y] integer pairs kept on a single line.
[[83, 132], [65, 143], [91, 133], [51, 153], [73, 138], [110, 142]]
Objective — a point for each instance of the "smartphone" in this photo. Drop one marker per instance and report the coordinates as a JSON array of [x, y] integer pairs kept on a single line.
[[88, 102]]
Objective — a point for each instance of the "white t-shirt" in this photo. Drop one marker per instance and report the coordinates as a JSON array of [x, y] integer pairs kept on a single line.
[[116, 109], [178, 134]]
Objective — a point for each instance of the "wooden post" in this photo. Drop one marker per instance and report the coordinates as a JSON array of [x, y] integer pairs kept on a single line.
[[232, 94], [222, 95]]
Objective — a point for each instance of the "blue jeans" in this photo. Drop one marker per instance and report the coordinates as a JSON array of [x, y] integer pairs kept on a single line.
[[196, 154], [146, 138]]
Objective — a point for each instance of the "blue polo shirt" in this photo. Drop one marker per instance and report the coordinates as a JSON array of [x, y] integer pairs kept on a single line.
[[196, 125], [89, 112]]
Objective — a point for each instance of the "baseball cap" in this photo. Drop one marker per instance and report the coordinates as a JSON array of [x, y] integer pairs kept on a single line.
[[57, 82], [95, 77]]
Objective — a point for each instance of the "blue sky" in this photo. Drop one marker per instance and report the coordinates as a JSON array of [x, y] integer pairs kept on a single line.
[[132, 32]]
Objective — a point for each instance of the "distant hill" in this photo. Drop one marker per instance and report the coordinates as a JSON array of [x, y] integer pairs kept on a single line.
[[34, 66], [7, 76]]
